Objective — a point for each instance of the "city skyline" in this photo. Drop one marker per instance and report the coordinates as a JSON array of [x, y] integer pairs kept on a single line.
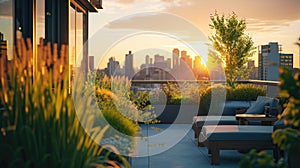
[[264, 25], [154, 57], [158, 67]]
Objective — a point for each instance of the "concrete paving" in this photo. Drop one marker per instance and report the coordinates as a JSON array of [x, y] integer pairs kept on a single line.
[[174, 146]]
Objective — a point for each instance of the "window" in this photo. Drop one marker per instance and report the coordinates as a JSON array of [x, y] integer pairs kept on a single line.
[[40, 20], [76, 36]]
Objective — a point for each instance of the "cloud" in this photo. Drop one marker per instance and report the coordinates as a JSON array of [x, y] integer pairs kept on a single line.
[[256, 25], [256, 9], [159, 22]]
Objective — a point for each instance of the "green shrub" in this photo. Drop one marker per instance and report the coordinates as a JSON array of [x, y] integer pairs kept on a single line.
[[141, 100], [113, 98], [261, 159], [183, 93], [240, 93], [175, 100], [206, 97], [245, 93]]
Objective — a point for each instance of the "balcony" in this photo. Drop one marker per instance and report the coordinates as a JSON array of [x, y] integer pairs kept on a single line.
[[179, 147]]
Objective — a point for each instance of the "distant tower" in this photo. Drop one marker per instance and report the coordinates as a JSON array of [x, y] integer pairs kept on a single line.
[[251, 64], [183, 61], [175, 58], [129, 72], [91, 63], [183, 54], [189, 62], [147, 66], [158, 58], [169, 63], [270, 59], [254, 70], [197, 66], [113, 67], [286, 60]]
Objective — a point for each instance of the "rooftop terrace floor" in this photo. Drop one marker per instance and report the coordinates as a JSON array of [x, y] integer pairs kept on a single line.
[[184, 154]]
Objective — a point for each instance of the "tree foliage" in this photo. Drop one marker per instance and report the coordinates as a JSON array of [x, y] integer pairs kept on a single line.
[[233, 44]]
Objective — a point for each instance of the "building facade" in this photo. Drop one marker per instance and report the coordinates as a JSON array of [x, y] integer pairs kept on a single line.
[[286, 61], [91, 63], [129, 71], [61, 22], [270, 59], [175, 58]]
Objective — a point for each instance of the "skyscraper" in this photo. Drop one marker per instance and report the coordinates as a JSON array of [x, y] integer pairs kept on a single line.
[[158, 58], [268, 62], [183, 54], [175, 58], [253, 70], [270, 59], [113, 67], [129, 71], [286, 60], [147, 66], [168, 61], [91, 63]]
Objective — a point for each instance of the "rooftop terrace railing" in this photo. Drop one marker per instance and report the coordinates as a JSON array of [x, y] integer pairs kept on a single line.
[[170, 112], [272, 87]]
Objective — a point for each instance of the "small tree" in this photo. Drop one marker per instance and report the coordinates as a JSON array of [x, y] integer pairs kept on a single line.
[[233, 44]]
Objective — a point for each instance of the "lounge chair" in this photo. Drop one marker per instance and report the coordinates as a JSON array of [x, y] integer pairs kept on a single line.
[[235, 137], [256, 107]]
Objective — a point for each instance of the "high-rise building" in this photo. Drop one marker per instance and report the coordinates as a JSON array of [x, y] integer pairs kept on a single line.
[[183, 54], [253, 74], [270, 59], [197, 64], [268, 62], [158, 58], [168, 62], [189, 62], [159, 61], [286, 60], [251, 64], [113, 67], [147, 65], [129, 71], [91, 63], [175, 58]]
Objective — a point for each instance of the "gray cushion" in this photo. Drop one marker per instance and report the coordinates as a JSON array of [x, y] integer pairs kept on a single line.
[[237, 133], [231, 107], [215, 120], [258, 107]]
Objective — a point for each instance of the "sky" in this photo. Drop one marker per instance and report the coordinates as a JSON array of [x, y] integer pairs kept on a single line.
[[141, 25]]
